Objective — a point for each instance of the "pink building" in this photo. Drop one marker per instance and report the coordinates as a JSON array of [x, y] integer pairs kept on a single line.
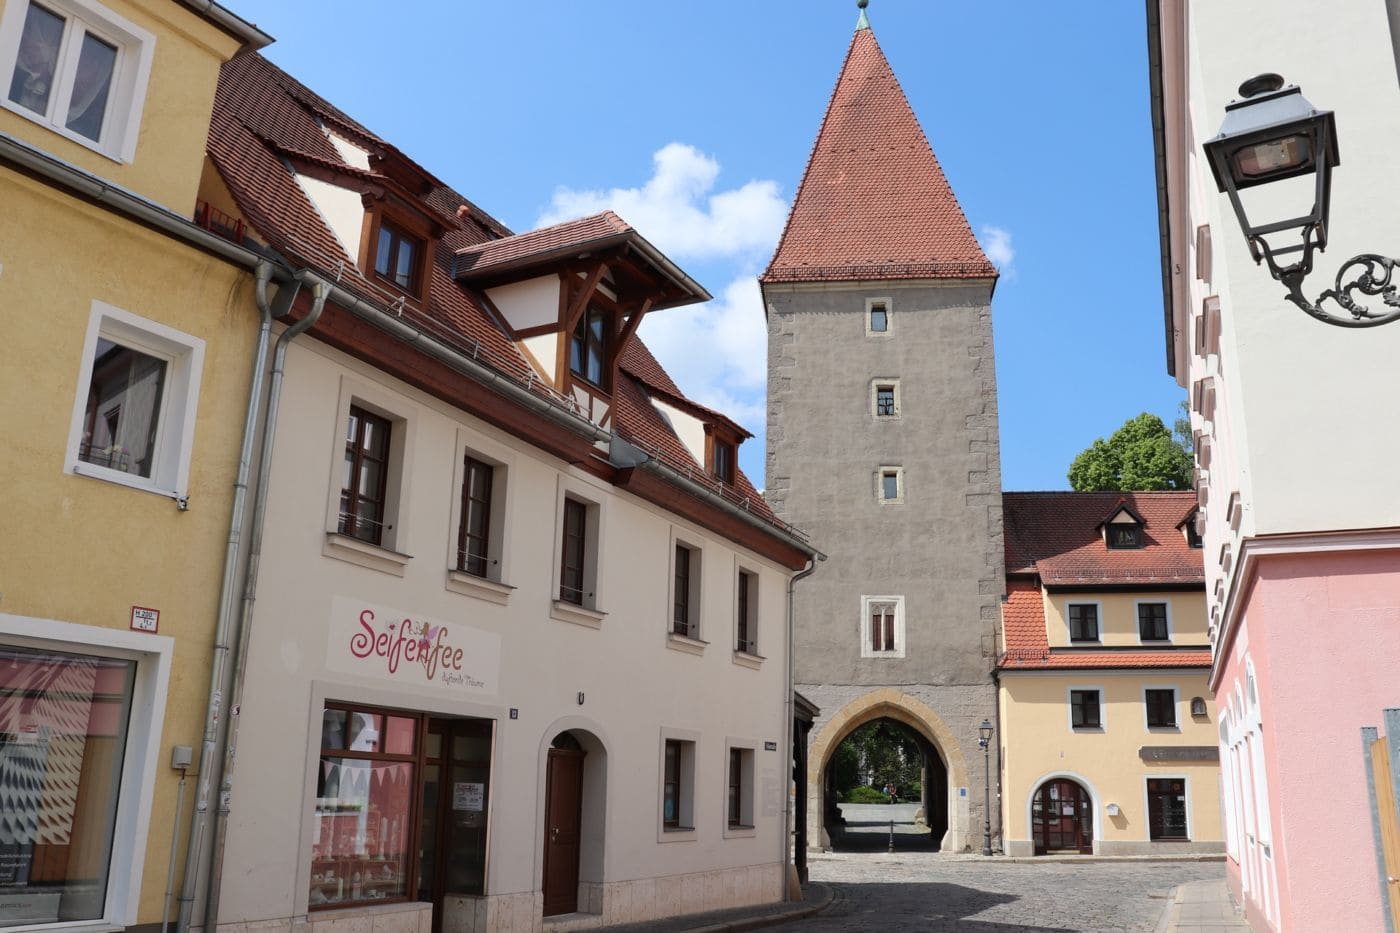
[[1296, 439]]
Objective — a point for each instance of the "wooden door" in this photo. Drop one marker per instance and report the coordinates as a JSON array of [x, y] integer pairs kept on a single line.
[[563, 812], [1062, 818]]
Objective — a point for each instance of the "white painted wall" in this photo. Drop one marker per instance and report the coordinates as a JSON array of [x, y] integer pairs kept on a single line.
[[351, 153], [690, 429], [545, 350], [634, 684], [531, 303], [342, 208], [1304, 425]]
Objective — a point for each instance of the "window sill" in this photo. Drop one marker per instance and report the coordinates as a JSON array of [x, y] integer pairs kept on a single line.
[[1088, 729], [1154, 642], [676, 834], [372, 556], [578, 615], [459, 581], [747, 659], [740, 831], [92, 471], [1085, 643], [1169, 729], [678, 642], [78, 138]]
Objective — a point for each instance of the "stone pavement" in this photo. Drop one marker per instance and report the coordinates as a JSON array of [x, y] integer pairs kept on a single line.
[[1202, 907], [905, 892]]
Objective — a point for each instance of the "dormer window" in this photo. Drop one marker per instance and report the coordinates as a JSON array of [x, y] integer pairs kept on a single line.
[[588, 350], [1191, 526], [1124, 535], [724, 461], [397, 258]]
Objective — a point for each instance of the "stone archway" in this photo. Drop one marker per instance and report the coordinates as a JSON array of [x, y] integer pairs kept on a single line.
[[888, 703]]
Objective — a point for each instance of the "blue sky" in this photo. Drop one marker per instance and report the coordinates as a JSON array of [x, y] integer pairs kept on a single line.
[[694, 120]]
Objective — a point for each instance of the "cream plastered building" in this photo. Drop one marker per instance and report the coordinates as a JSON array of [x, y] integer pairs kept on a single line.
[[1106, 723], [127, 333], [517, 655]]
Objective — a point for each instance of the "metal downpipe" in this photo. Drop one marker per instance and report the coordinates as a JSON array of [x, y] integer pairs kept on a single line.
[[788, 713], [320, 291], [203, 777]]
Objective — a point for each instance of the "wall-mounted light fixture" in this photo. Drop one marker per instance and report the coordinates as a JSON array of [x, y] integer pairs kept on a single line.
[[1273, 133]]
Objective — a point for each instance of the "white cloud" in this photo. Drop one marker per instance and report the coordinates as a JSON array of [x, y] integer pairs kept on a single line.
[[677, 211], [996, 241], [717, 352]]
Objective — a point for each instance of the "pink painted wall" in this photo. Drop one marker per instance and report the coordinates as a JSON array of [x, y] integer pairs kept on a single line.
[[1324, 638]]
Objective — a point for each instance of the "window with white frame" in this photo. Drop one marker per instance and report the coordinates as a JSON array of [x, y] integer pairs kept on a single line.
[[739, 810], [677, 785], [579, 536], [1160, 703], [746, 613], [1154, 621], [79, 69], [884, 398], [1086, 708], [1083, 621], [889, 485], [134, 415], [685, 590], [882, 627], [879, 320]]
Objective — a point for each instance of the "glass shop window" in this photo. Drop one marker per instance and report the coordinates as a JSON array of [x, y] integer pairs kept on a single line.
[[63, 733]]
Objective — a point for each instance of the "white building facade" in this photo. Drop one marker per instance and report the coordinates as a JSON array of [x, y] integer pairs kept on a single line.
[[518, 647], [1293, 424]]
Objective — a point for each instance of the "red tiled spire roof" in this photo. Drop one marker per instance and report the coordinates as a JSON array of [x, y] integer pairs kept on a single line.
[[874, 202]]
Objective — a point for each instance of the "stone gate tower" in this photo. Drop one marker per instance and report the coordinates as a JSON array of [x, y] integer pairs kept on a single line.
[[882, 443]]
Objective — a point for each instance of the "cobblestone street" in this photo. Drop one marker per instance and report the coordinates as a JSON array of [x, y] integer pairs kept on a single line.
[[932, 893]]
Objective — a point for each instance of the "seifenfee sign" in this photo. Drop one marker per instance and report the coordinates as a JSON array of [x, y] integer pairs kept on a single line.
[[409, 650]]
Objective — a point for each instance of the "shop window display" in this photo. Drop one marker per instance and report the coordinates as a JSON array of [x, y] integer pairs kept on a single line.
[[365, 792], [63, 732]]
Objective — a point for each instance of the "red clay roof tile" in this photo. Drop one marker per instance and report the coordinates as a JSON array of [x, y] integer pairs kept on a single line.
[[260, 113], [1056, 535], [874, 202]]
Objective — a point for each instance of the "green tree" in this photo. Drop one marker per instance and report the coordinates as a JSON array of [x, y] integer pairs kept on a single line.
[[1141, 455], [1181, 428], [882, 753]]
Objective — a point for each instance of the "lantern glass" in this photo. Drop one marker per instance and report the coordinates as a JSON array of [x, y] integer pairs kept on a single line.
[[1265, 160]]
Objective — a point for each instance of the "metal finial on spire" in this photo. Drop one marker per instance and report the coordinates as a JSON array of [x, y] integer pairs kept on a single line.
[[863, 22]]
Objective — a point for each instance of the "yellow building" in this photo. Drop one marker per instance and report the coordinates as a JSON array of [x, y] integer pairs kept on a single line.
[[1107, 726], [127, 334]]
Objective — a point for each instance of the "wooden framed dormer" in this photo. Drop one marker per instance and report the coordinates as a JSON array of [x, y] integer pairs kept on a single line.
[[1123, 529], [722, 453], [573, 296], [392, 228]]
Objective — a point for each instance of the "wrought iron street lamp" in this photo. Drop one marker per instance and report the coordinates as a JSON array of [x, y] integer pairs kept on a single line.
[[1273, 133], [984, 741]]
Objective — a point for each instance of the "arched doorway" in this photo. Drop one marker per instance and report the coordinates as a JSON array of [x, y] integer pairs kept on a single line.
[[946, 811], [575, 782], [1062, 818], [886, 785]]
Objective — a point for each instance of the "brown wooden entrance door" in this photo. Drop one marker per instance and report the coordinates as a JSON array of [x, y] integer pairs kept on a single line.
[[1062, 818], [563, 814]]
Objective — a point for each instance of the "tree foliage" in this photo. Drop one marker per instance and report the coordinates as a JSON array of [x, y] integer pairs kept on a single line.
[[876, 754], [1141, 455]]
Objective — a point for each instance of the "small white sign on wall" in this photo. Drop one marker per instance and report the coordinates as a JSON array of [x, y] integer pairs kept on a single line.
[[145, 620]]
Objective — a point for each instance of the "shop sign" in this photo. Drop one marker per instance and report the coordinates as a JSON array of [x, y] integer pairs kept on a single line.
[[410, 650], [1179, 753]]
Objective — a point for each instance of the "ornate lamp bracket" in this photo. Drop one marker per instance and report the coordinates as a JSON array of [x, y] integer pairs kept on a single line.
[[1370, 274]]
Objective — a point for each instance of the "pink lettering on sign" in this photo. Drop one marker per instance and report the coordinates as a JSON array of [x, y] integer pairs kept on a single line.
[[407, 641]]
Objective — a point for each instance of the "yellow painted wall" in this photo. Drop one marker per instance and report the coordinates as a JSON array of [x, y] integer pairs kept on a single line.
[[175, 121], [1118, 621], [78, 549], [1039, 742]]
